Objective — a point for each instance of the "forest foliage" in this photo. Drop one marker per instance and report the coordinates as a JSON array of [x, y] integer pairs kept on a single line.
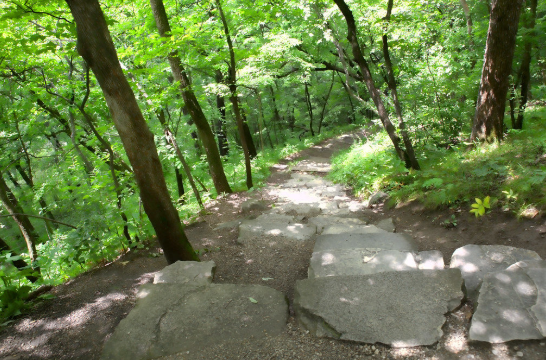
[[296, 80]]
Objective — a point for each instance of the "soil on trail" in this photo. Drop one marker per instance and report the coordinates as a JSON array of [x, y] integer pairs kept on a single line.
[[86, 310]]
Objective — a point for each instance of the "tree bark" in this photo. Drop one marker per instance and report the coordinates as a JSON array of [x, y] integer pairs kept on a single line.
[[221, 133], [97, 49], [172, 140], [488, 122], [309, 108], [391, 81], [25, 226], [232, 78], [368, 80], [192, 105], [526, 66], [180, 186], [326, 102]]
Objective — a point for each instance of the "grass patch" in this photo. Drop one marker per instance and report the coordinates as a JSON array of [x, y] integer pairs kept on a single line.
[[512, 173]]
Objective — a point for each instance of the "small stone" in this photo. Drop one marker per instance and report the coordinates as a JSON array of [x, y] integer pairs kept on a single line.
[[519, 354], [376, 352], [373, 347]]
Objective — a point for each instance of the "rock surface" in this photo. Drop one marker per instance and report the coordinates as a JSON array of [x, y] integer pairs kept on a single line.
[[385, 240], [396, 308], [323, 221], [387, 225], [510, 307], [184, 272], [253, 205], [475, 261], [170, 318], [275, 225]]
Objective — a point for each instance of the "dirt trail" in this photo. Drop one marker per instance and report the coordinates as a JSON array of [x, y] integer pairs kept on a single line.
[[87, 309]]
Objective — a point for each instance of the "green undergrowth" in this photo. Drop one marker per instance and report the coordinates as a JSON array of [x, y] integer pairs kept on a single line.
[[512, 173]]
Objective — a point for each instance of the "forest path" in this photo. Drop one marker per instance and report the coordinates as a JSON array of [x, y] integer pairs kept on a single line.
[[76, 323]]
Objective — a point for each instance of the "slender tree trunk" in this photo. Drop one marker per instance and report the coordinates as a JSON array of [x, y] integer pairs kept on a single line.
[[172, 140], [248, 135], [180, 186], [309, 108], [27, 230], [192, 105], [526, 66], [368, 80], [20, 264], [392, 85], [245, 139], [221, 133], [276, 115], [96, 47], [326, 102], [499, 51], [466, 10]]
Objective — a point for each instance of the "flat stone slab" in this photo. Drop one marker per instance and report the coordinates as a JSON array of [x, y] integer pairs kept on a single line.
[[184, 272], [385, 241], [387, 225], [307, 210], [430, 260], [323, 221], [352, 229], [475, 261], [400, 309], [511, 306], [313, 164], [275, 225], [170, 318], [296, 196], [253, 205], [359, 262]]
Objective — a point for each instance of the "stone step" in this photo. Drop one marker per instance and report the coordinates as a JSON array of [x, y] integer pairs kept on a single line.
[[475, 261], [313, 164], [345, 262], [395, 308], [380, 240], [286, 226]]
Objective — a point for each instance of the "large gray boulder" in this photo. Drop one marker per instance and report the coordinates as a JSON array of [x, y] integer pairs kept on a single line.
[[170, 318], [400, 309], [184, 272], [511, 306], [475, 261], [253, 205], [344, 262], [307, 210], [336, 229], [384, 240], [275, 225]]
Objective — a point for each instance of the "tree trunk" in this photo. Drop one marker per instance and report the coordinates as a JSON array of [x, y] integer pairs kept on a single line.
[[192, 105], [309, 108], [248, 135], [221, 133], [497, 66], [392, 85], [326, 102], [20, 264], [27, 230], [172, 140], [180, 186], [245, 139], [368, 80], [97, 49], [526, 66]]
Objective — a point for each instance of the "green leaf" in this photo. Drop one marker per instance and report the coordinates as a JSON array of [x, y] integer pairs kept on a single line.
[[252, 300]]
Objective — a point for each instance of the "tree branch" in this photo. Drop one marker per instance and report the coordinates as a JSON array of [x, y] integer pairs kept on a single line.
[[40, 217]]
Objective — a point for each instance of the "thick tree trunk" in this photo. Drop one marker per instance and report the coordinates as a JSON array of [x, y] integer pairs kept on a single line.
[[368, 80], [392, 85], [96, 47], [526, 66], [245, 138], [20, 264], [25, 226], [501, 41], [192, 105]]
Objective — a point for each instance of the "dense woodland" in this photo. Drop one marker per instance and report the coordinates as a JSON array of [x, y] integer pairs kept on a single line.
[[119, 120]]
